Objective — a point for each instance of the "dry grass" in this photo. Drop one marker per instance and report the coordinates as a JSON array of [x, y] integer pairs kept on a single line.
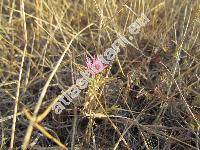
[[148, 99]]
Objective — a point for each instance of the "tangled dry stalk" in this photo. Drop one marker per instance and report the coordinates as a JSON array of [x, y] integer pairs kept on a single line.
[[148, 99]]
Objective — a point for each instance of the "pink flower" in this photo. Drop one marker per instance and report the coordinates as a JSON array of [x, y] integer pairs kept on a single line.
[[94, 65]]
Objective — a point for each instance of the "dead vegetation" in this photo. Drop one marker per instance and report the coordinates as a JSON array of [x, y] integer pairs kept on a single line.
[[148, 99]]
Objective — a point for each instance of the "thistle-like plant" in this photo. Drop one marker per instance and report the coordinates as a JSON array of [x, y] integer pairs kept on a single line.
[[94, 65]]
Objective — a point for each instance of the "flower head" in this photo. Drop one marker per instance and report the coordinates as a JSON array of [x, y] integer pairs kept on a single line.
[[94, 65]]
